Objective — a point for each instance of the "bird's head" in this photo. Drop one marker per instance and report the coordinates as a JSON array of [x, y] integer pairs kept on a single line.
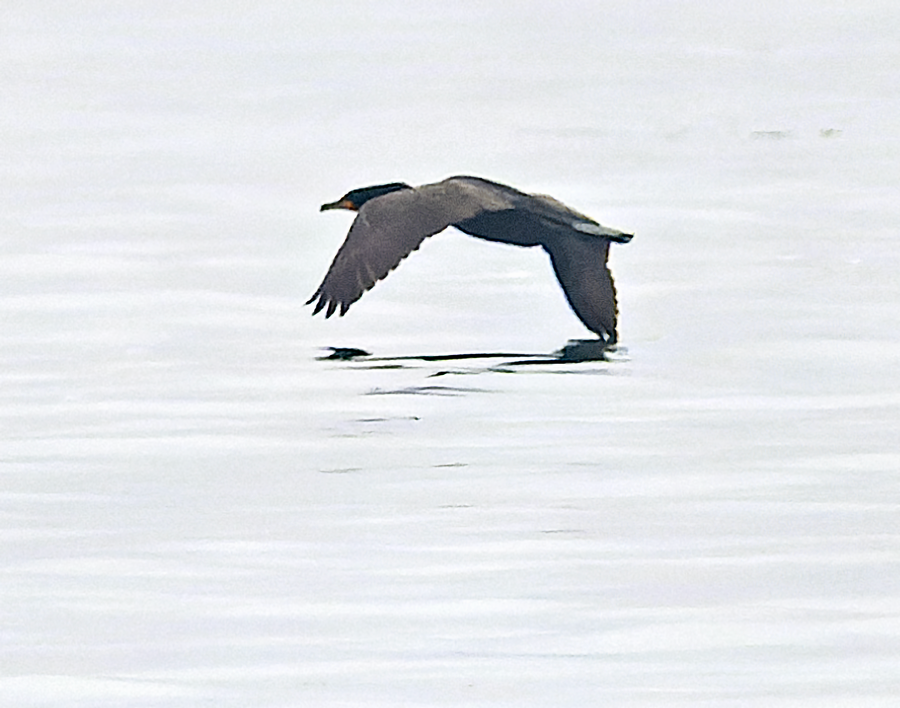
[[354, 199]]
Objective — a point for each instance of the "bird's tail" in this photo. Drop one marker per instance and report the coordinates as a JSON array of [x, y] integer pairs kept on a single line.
[[603, 232]]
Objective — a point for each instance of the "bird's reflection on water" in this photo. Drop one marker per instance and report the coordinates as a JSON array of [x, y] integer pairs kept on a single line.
[[574, 351]]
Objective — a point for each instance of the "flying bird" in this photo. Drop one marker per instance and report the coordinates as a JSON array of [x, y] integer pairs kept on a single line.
[[393, 219]]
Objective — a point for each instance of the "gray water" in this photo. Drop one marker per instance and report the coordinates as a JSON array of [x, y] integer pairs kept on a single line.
[[196, 510]]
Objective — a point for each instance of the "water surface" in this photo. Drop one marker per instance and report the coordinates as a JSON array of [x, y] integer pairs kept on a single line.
[[196, 510]]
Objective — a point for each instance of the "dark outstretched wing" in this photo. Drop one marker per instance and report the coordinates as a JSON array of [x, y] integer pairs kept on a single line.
[[386, 230], [580, 265]]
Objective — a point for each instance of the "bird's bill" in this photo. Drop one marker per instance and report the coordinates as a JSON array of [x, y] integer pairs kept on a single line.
[[341, 203]]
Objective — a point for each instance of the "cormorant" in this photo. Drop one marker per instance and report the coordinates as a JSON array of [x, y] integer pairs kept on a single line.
[[393, 220]]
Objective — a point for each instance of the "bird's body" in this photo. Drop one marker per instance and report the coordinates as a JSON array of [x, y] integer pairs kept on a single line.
[[394, 219]]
